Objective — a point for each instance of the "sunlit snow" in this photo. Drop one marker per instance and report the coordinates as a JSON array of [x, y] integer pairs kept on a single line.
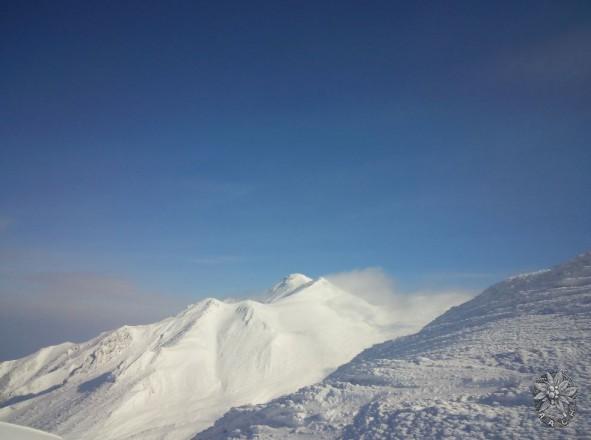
[[176, 377]]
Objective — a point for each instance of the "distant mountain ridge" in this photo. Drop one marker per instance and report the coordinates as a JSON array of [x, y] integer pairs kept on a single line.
[[175, 377], [467, 374]]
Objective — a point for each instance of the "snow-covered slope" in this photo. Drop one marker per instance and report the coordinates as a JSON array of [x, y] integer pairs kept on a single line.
[[171, 379], [8, 431], [287, 286], [466, 375]]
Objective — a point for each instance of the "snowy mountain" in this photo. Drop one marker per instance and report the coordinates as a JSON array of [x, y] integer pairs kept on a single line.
[[173, 378], [9, 431], [468, 374]]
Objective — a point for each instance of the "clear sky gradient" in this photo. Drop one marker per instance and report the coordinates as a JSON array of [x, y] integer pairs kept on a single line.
[[185, 149]]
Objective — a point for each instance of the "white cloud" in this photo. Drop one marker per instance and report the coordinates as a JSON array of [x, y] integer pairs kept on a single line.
[[371, 283], [409, 308]]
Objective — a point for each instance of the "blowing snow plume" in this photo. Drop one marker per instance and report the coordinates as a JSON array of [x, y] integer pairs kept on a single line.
[[411, 310]]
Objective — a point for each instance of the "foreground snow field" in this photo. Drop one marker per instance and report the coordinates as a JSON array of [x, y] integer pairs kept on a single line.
[[466, 375], [171, 379], [9, 431]]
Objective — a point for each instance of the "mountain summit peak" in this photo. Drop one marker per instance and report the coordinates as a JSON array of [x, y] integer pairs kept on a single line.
[[287, 286], [297, 277]]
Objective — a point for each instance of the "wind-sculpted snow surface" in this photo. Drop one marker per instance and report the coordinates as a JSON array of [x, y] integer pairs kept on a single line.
[[171, 379], [467, 374], [8, 431]]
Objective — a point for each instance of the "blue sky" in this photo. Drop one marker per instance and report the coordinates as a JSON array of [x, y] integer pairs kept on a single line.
[[186, 149]]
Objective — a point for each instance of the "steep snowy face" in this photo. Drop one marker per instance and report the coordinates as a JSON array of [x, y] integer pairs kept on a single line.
[[176, 377], [468, 374]]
